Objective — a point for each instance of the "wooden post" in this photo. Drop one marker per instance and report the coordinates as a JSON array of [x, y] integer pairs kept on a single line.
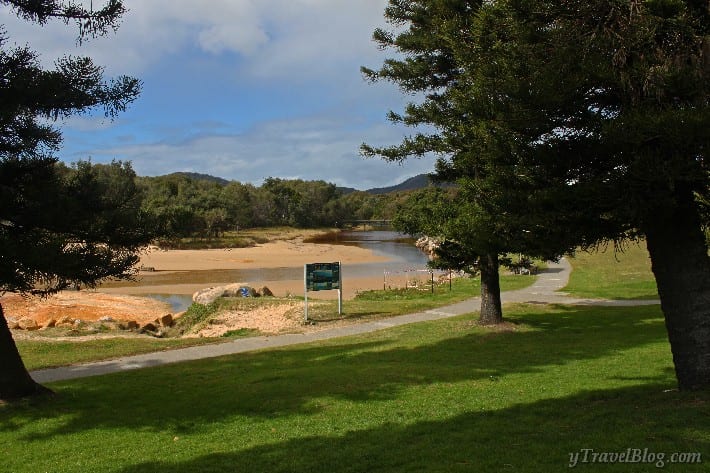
[[305, 292]]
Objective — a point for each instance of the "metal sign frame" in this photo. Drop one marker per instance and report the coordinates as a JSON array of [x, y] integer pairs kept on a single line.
[[322, 277]]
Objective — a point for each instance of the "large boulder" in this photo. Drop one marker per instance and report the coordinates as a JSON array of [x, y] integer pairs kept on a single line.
[[211, 294], [428, 245], [233, 290]]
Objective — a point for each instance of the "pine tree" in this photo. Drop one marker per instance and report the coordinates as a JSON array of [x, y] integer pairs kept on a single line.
[[58, 226], [594, 114], [472, 108]]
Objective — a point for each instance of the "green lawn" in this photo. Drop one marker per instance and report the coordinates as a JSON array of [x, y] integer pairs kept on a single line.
[[609, 275], [46, 353], [444, 396]]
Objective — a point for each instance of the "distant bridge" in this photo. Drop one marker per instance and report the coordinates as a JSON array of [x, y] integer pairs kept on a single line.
[[366, 223]]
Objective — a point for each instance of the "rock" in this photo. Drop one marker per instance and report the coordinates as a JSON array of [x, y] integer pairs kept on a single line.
[[427, 245], [266, 292], [12, 324], [149, 327], [65, 320], [211, 294], [166, 320], [26, 323], [106, 318], [246, 291], [130, 325], [208, 295], [50, 323], [233, 290]]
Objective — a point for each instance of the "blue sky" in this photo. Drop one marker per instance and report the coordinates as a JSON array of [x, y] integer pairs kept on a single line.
[[240, 89]]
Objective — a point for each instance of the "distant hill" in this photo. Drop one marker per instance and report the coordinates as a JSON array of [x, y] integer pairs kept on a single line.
[[417, 182], [201, 177], [413, 183]]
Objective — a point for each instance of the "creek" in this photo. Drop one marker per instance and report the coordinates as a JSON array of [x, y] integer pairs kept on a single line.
[[399, 249]]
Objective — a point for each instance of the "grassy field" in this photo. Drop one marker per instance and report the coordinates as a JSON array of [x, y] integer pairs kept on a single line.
[[444, 396], [609, 275], [48, 353]]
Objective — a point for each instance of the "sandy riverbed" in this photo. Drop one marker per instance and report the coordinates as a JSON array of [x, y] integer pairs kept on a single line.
[[290, 253], [173, 264], [125, 303]]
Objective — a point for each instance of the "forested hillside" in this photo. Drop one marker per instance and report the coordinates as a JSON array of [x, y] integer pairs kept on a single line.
[[194, 205]]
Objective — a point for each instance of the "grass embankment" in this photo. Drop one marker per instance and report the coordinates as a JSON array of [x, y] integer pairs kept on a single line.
[[241, 239], [41, 353], [610, 275], [444, 396]]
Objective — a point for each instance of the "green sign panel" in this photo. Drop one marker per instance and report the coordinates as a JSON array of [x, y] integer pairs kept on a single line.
[[322, 276]]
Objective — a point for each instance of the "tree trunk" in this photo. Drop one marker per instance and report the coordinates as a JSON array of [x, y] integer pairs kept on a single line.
[[15, 381], [491, 310], [680, 263]]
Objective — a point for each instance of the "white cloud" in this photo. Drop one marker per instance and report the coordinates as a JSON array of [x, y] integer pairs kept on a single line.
[[250, 46], [276, 38], [306, 149]]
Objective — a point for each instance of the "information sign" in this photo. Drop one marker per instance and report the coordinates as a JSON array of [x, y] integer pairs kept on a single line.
[[322, 277]]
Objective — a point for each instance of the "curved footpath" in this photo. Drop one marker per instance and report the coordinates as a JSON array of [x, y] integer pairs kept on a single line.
[[543, 291]]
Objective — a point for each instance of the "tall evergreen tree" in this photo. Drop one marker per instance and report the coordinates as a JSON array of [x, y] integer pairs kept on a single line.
[[631, 139], [59, 227], [473, 128], [597, 116]]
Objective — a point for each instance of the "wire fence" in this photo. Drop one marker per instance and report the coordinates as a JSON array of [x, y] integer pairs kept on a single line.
[[416, 278]]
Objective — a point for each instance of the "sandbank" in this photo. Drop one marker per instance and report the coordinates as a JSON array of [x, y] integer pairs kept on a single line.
[[277, 254], [176, 271]]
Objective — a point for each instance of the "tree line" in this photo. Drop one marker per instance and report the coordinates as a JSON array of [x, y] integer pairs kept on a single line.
[[185, 206]]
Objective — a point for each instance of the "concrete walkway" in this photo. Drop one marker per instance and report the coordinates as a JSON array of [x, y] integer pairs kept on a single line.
[[543, 291]]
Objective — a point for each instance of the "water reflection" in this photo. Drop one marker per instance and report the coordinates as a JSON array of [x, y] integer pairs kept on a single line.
[[178, 302]]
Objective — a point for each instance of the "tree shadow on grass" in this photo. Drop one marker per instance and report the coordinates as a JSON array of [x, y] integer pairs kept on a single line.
[[537, 437], [377, 367]]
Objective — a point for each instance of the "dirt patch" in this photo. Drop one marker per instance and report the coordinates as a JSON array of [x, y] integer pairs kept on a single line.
[[84, 305], [272, 319]]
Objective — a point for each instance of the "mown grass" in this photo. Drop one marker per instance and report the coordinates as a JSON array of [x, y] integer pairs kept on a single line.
[[380, 303], [444, 396], [613, 275], [48, 353]]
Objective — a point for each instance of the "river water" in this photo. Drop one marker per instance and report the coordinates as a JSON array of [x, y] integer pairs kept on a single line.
[[399, 249]]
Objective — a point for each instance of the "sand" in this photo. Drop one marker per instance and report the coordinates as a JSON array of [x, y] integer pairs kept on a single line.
[[278, 254], [125, 303], [83, 305]]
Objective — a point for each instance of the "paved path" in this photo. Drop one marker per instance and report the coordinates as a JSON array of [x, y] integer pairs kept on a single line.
[[543, 291]]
